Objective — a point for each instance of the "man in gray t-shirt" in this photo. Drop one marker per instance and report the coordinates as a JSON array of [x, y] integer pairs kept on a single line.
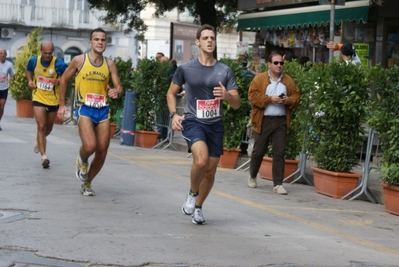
[[207, 83], [6, 72]]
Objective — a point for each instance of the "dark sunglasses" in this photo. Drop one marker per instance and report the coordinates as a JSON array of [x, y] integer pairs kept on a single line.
[[277, 62]]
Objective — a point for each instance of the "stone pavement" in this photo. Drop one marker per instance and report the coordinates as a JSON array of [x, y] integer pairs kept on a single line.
[[136, 220]]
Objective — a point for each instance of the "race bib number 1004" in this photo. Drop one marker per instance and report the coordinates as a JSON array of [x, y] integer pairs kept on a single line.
[[207, 109]]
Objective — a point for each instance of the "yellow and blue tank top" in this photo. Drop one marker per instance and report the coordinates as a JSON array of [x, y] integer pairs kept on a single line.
[[91, 84], [45, 92]]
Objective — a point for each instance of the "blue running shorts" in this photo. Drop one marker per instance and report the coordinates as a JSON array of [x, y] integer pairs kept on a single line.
[[3, 94], [211, 134], [96, 115]]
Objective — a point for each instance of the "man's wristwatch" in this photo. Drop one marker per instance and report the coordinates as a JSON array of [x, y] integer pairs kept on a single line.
[[172, 114]]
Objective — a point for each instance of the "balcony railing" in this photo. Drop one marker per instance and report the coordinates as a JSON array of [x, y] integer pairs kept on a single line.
[[12, 13], [50, 17]]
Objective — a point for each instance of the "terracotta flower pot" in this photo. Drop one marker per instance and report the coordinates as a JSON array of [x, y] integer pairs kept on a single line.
[[229, 158], [334, 184], [391, 198], [59, 119], [112, 128], [24, 108], [146, 139], [265, 170]]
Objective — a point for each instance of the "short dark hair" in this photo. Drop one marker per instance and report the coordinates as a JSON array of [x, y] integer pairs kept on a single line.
[[274, 53], [205, 27], [97, 30], [173, 62]]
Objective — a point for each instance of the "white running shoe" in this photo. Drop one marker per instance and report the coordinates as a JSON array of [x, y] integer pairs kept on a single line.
[[86, 190], [189, 205], [198, 217], [81, 170]]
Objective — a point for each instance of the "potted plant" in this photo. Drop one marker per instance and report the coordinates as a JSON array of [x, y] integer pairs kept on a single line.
[[384, 119], [124, 68], [336, 97], [234, 120], [19, 89], [147, 81]]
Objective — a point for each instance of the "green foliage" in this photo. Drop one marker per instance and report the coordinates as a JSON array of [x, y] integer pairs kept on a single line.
[[19, 87], [218, 13], [235, 120], [124, 71], [151, 83], [334, 101], [384, 119], [296, 129]]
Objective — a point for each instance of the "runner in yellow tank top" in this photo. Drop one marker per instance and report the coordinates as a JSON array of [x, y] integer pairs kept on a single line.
[[92, 92], [42, 73], [46, 92], [91, 84]]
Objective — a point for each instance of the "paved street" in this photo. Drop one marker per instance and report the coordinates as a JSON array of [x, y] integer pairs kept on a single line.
[[136, 220]]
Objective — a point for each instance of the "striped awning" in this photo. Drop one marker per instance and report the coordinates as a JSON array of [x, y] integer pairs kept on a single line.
[[304, 16]]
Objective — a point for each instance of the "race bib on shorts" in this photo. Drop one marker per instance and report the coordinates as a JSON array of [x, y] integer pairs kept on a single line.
[[207, 109], [44, 83], [95, 100]]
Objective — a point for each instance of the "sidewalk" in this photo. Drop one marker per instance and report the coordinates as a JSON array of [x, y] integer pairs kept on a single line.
[[373, 182], [135, 219]]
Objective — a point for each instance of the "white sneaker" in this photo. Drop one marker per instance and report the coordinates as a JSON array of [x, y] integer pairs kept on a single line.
[[81, 170], [279, 189], [189, 205], [36, 147], [252, 182], [198, 217]]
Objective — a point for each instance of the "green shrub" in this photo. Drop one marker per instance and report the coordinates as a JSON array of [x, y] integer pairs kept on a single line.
[[19, 87]]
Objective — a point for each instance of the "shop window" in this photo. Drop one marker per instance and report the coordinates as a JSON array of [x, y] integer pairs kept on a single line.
[[363, 38], [392, 48]]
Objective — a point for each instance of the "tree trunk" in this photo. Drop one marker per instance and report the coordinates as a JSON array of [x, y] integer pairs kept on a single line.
[[207, 14]]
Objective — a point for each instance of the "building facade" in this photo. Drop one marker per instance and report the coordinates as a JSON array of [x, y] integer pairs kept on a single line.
[[158, 36], [67, 23]]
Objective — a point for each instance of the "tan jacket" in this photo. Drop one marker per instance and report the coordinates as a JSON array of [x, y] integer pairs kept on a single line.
[[260, 100]]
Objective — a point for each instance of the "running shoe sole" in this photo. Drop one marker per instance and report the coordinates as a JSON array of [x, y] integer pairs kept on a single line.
[[77, 172], [46, 163], [85, 193], [78, 176], [199, 223], [184, 212]]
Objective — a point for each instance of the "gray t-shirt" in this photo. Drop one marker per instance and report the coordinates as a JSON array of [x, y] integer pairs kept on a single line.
[[199, 81], [6, 69]]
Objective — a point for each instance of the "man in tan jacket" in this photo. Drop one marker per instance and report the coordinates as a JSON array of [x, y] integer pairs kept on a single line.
[[273, 95]]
